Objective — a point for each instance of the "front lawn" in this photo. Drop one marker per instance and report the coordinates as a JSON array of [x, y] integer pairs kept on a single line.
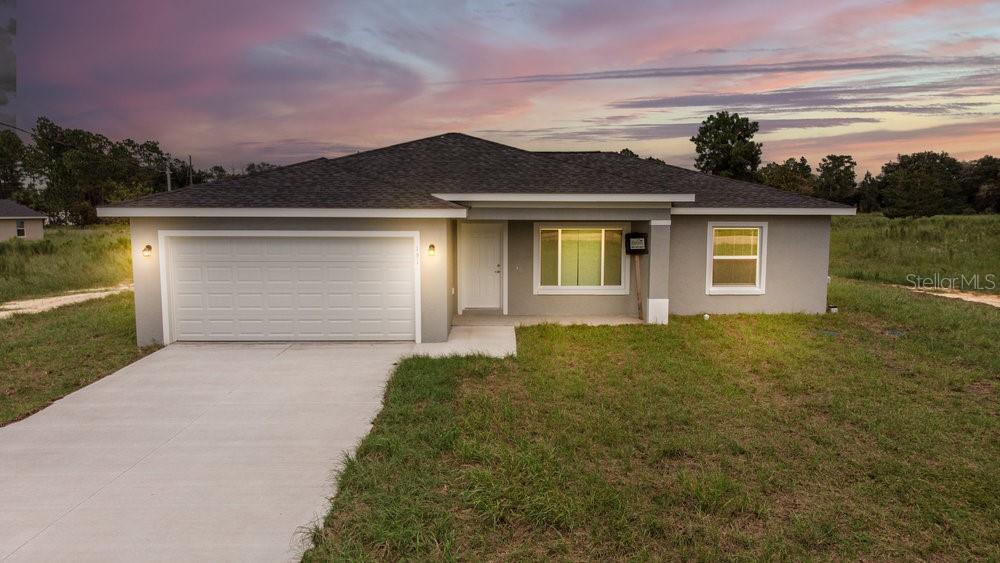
[[870, 434], [68, 258], [47, 355]]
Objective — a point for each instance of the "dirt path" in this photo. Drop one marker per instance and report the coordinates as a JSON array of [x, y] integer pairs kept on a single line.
[[28, 306], [985, 298]]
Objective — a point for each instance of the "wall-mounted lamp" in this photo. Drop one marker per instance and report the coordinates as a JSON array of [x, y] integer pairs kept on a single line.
[[431, 251], [147, 251]]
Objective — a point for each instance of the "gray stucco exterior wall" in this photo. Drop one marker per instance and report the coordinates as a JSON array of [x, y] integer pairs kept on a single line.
[[34, 229], [798, 257], [434, 275], [521, 298]]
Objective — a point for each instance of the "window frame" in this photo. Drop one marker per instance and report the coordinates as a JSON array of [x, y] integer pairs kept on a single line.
[[20, 228], [759, 288], [539, 289]]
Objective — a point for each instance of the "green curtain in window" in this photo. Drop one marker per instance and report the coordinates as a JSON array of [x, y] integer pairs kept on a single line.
[[734, 272], [581, 257], [550, 256], [739, 246], [736, 242], [612, 257]]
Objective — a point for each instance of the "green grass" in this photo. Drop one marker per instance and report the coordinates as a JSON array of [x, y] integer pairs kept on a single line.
[[871, 247], [870, 434], [47, 355], [68, 258]]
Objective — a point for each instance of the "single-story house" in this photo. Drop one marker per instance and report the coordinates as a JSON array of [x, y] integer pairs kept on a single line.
[[18, 221], [395, 243]]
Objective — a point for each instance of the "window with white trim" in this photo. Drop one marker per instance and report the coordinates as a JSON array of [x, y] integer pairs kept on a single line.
[[580, 259], [736, 255], [19, 229]]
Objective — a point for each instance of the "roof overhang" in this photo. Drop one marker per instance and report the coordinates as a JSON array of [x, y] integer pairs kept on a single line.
[[279, 212], [764, 211], [599, 198], [39, 217]]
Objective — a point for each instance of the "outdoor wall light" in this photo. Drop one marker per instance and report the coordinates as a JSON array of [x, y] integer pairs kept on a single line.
[[431, 251], [147, 251]]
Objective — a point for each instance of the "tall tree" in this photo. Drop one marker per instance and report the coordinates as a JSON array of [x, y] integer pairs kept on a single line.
[[11, 155], [922, 184], [981, 183], [870, 194], [837, 178], [791, 176], [258, 167], [725, 146]]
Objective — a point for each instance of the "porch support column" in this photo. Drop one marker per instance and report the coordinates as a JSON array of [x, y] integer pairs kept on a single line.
[[657, 303]]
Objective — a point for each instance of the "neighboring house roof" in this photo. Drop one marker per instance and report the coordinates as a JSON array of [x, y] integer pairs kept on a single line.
[[410, 175], [708, 190], [13, 210]]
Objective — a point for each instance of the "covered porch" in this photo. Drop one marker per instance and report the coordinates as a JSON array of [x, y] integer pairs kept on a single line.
[[495, 317], [579, 262]]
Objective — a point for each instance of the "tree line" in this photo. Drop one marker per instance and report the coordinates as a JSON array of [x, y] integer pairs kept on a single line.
[[914, 185], [67, 173]]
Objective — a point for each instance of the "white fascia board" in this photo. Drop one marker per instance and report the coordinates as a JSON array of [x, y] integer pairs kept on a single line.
[[278, 212], [569, 198], [21, 218], [764, 211]]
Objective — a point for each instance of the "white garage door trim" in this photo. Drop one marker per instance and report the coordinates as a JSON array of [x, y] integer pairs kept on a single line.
[[165, 235]]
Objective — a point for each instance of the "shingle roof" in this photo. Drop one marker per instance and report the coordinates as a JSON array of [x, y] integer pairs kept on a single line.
[[457, 163], [314, 184], [10, 209], [405, 176], [708, 190]]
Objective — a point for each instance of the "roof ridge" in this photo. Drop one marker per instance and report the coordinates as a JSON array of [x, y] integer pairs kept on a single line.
[[395, 145], [591, 168]]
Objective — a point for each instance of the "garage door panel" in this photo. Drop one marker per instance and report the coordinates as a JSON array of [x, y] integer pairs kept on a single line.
[[292, 288]]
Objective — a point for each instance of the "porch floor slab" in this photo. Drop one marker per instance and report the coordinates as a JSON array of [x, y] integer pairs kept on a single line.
[[489, 340], [493, 318]]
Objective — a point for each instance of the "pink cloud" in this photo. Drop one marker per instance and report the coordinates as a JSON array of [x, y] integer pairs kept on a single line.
[[241, 80]]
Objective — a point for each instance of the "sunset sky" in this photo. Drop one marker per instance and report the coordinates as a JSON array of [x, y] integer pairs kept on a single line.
[[235, 81]]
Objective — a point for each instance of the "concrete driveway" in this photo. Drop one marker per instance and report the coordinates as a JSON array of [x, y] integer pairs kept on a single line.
[[199, 452]]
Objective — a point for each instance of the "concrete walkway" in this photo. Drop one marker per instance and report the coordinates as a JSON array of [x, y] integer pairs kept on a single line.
[[40, 304], [199, 452]]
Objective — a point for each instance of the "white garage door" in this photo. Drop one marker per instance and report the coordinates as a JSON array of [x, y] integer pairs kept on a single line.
[[291, 288]]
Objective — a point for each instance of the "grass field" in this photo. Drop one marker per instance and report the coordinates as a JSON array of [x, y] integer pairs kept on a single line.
[[67, 258], [871, 247], [47, 355], [870, 434]]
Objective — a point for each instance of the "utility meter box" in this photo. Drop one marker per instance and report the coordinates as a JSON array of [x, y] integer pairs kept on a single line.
[[636, 243]]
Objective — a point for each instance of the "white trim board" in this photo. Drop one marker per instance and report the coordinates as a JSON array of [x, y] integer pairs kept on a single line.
[[566, 198], [460, 301], [758, 289], [22, 218], [278, 212], [763, 211], [536, 261], [164, 257]]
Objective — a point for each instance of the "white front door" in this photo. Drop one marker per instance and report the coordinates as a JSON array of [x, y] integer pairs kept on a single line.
[[481, 265]]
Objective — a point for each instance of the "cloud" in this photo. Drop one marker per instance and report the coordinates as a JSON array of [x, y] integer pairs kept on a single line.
[[652, 131], [813, 65]]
